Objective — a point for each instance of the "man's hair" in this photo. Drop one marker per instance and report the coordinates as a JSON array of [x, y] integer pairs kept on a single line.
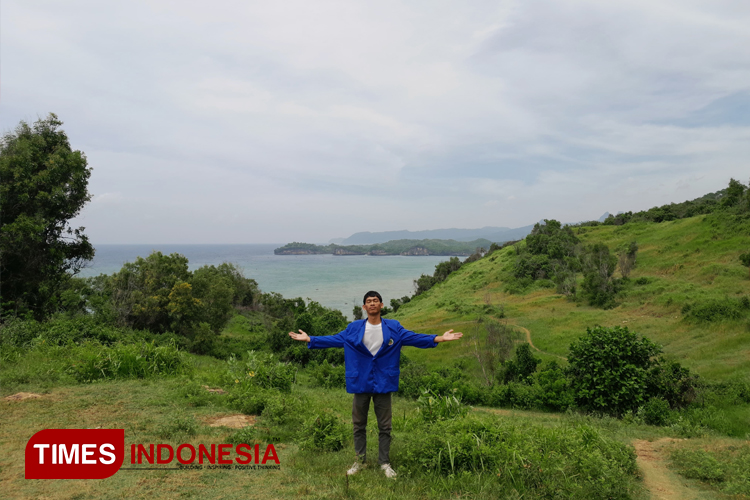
[[372, 293]]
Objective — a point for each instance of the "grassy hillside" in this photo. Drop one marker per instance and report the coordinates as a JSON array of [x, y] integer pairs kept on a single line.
[[691, 261]]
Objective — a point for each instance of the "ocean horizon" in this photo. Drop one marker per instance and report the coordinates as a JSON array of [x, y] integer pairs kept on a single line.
[[338, 282]]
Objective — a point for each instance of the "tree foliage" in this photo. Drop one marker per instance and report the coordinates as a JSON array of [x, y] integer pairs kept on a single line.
[[598, 266], [494, 348], [43, 185], [159, 293], [609, 368], [523, 367]]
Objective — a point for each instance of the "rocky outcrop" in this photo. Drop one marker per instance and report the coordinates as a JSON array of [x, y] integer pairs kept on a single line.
[[293, 251], [416, 251], [344, 251]]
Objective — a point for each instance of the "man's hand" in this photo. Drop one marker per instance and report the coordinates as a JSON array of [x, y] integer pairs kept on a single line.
[[447, 336], [301, 336]]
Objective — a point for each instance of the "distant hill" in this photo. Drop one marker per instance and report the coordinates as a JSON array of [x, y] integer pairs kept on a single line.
[[395, 247], [494, 234]]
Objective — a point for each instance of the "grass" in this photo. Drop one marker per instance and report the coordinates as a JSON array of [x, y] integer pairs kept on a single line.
[[175, 409], [721, 464], [156, 410]]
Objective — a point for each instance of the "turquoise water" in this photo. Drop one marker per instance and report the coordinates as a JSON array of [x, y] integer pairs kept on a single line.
[[334, 281]]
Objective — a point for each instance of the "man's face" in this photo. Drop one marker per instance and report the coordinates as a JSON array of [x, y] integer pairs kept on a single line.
[[372, 305]]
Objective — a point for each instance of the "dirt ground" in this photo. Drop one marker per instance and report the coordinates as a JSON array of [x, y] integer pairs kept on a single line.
[[660, 481]]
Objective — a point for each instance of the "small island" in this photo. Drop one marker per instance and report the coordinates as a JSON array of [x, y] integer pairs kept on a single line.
[[394, 247]]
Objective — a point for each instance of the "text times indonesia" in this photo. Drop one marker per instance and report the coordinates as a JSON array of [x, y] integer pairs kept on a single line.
[[100, 453]]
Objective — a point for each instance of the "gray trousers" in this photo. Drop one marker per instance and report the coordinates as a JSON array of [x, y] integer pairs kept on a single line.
[[360, 409]]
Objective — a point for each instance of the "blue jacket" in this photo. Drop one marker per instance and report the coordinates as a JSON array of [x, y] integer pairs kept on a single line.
[[365, 372]]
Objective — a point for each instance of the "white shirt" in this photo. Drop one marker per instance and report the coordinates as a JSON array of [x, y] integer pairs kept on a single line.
[[373, 338]]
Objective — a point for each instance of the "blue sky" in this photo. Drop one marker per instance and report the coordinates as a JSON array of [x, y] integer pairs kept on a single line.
[[250, 122]]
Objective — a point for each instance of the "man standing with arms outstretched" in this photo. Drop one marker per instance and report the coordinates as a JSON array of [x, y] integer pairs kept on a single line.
[[372, 351]]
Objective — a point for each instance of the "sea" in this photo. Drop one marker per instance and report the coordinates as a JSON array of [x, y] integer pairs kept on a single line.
[[338, 282]]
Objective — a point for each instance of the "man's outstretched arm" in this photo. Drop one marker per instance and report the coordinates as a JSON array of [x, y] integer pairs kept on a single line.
[[316, 342], [422, 340], [448, 336], [301, 336]]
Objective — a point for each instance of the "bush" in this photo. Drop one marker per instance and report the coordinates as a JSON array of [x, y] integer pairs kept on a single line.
[[282, 408], [246, 435], [523, 367], [249, 402], [328, 376], [263, 371], [140, 360], [433, 407], [323, 432], [608, 369], [598, 285], [555, 393], [656, 412], [716, 310], [670, 381]]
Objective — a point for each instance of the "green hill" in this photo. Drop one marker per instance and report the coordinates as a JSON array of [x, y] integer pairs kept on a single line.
[[394, 247], [692, 262]]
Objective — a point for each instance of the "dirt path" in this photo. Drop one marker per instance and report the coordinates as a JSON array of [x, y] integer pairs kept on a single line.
[[528, 339], [522, 329], [660, 481]]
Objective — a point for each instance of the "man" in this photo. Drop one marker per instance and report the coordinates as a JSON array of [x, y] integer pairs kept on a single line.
[[372, 350]]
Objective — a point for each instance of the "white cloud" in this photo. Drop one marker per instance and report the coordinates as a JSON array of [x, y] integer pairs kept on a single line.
[[268, 121]]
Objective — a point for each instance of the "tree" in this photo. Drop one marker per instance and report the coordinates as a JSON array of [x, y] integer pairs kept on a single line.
[[523, 367], [357, 311], [494, 348], [598, 266], [43, 185], [626, 258], [609, 369], [734, 193]]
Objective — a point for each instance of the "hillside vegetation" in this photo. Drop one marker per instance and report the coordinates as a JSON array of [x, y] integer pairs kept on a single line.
[[683, 267]]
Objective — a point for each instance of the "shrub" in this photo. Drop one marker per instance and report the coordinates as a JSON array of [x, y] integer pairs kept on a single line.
[[196, 395], [323, 432], [328, 376], [249, 402], [245, 435], [282, 408], [608, 368], [555, 392], [140, 360], [598, 285], [523, 367], [716, 310], [262, 370], [656, 412], [670, 381], [433, 407]]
